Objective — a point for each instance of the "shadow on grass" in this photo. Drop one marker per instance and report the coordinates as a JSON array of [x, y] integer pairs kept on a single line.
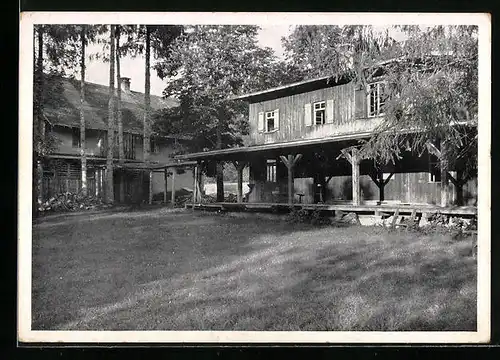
[[208, 272], [84, 261]]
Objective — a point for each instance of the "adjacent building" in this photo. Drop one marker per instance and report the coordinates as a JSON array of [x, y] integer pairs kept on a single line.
[[62, 170]]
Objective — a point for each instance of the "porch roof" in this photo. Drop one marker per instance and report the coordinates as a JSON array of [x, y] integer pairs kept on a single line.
[[274, 146], [231, 152], [154, 166]]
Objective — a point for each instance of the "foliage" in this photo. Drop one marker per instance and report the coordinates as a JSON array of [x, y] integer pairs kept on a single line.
[[208, 65], [430, 72], [299, 216], [61, 47], [304, 216]]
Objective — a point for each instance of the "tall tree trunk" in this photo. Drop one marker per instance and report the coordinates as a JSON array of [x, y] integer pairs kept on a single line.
[[82, 113], [219, 169], [147, 103], [111, 115], [147, 97], [37, 119], [121, 153]]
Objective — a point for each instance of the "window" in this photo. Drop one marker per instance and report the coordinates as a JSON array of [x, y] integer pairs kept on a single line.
[[376, 99], [434, 166], [271, 170], [102, 143], [155, 149], [270, 121], [129, 146], [76, 137], [319, 113], [434, 170]]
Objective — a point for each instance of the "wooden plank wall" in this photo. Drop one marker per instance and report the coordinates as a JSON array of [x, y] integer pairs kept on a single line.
[[291, 116], [55, 186], [404, 188]]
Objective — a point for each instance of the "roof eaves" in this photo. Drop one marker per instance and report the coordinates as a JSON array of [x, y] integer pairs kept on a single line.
[[278, 88], [304, 82]]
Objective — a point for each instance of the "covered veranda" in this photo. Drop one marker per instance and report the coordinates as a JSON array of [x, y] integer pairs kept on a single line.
[[167, 169], [321, 160]]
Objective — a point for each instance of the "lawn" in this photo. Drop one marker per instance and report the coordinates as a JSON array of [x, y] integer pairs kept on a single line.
[[163, 270]]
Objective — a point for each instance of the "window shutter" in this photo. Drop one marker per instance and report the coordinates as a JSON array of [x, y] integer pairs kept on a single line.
[[307, 115], [360, 103], [329, 111], [277, 119], [261, 121]]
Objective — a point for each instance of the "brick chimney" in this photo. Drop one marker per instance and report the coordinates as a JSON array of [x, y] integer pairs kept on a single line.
[[125, 84]]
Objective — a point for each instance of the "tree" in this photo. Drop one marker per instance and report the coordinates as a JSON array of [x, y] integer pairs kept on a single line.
[[37, 120], [149, 40], [121, 152], [55, 55], [208, 65], [83, 40], [111, 116], [431, 77], [144, 39]]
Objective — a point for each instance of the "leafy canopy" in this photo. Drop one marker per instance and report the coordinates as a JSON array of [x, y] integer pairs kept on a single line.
[[431, 75], [207, 66]]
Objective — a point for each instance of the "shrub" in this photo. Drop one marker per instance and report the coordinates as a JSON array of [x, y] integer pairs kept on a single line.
[[303, 216], [318, 218], [298, 216]]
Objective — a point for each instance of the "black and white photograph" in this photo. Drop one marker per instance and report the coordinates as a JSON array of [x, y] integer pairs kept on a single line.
[[279, 177]]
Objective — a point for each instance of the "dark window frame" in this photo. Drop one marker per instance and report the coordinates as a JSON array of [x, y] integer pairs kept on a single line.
[[319, 108], [376, 99], [270, 115], [434, 165], [154, 146], [75, 138], [271, 168]]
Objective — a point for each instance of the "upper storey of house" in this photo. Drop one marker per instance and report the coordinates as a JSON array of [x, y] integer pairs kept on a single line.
[[62, 111], [313, 109]]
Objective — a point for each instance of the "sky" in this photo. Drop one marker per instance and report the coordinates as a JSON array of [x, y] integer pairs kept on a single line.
[[98, 72]]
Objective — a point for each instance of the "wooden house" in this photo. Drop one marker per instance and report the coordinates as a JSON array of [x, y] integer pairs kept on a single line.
[[296, 152], [62, 171]]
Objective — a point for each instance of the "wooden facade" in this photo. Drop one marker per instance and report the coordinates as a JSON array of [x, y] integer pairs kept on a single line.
[[345, 113], [302, 149]]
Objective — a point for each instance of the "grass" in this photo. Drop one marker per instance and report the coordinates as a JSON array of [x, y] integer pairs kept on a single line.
[[175, 270]]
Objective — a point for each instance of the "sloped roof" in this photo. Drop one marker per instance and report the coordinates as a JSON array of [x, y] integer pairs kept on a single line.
[[67, 113], [310, 84]]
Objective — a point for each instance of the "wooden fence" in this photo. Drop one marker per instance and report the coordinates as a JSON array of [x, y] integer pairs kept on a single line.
[[52, 186]]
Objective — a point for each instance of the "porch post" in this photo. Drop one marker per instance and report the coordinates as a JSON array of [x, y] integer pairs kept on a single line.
[[173, 188], [195, 174], [39, 184], [356, 189], [444, 177], [290, 164], [165, 177], [219, 175], [378, 179], [353, 158], [381, 186], [150, 187], [199, 175], [239, 165]]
